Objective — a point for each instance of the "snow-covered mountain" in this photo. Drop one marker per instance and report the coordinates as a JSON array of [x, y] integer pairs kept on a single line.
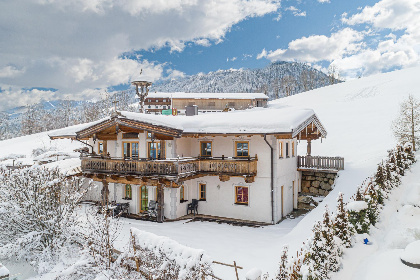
[[277, 79]]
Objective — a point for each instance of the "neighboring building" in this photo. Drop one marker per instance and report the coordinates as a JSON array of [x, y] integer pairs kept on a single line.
[[206, 102], [240, 165]]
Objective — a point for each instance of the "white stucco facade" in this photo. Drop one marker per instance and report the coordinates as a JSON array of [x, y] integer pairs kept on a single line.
[[220, 196]]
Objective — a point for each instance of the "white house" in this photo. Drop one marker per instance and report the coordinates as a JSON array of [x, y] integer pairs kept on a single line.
[[240, 165]]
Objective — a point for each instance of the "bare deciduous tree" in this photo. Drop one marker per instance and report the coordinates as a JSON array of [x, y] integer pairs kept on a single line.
[[406, 127]]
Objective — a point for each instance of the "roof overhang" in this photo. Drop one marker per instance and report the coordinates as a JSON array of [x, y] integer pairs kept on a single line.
[[113, 125], [310, 129]]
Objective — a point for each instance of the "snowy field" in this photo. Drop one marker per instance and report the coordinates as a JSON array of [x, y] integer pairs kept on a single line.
[[357, 116]]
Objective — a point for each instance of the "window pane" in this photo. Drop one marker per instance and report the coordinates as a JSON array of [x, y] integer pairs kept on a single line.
[[205, 149], [126, 149], [242, 149], [135, 150], [245, 195]]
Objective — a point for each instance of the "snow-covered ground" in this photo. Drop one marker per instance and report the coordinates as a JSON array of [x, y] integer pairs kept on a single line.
[[249, 247], [357, 115]]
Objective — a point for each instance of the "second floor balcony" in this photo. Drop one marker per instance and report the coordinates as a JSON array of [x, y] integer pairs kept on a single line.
[[175, 168]]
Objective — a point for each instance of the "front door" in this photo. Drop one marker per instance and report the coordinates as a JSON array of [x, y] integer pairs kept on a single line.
[[144, 198]]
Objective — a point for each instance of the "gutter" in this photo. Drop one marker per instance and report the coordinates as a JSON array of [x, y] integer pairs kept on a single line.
[[272, 179]]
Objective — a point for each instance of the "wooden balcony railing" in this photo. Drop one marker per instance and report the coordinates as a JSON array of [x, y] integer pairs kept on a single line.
[[179, 167], [321, 163]]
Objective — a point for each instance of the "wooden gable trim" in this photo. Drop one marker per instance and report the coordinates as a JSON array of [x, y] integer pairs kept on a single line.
[[310, 129], [127, 125]]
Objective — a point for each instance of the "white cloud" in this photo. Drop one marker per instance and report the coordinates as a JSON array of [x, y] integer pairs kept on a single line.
[[319, 47], [263, 54], [296, 12], [324, 1], [202, 42], [390, 51], [10, 71], [75, 45], [174, 74]]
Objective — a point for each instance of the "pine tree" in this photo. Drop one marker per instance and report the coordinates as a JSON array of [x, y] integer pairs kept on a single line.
[[283, 272], [324, 252], [342, 227]]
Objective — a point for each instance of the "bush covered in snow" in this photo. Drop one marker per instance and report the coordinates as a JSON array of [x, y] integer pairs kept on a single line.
[[37, 207], [158, 257]]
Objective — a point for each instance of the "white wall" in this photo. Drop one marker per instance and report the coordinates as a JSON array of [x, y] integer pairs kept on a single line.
[[221, 201]]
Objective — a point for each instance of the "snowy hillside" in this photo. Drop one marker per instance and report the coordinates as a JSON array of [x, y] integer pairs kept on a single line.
[[357, 116], [276, 79]]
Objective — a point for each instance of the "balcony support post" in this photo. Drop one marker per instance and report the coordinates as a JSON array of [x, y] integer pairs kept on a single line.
[[308, 148], [105, 192], [160, 200]]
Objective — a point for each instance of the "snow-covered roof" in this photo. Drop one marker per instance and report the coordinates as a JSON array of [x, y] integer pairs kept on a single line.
[[70, 132], [251, 121], [208, 95], [257, 120]]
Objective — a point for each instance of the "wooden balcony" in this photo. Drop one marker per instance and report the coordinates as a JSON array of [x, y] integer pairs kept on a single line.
[[320, 163], [180, 168]]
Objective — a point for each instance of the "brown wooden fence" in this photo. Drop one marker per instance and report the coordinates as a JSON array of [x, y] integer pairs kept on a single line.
[[182, 167], [319, 162]]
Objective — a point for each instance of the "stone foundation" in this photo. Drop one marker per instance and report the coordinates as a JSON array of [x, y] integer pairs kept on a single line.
[[318, 183]]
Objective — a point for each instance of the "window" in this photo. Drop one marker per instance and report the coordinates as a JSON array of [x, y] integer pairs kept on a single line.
[[231, 104], [144, 198], [182, 194], [164, 107], [242, 149], [287, 149], [212, 104], [241, 195], [164, 100], [128, 191], [156, 150], [191, 103], [100, 147], [202, 191], [281, 149], [293, 149], [149, 106], [130, 149], [205, 149]]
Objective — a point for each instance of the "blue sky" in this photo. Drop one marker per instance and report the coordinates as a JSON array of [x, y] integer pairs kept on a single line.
[[248, 38], [79, 49]]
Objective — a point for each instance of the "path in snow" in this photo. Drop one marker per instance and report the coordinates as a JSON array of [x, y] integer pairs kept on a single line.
[[399, 225]]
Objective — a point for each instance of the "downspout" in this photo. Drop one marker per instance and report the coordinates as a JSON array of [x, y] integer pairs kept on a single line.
[[84, 143], [272, 179]]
